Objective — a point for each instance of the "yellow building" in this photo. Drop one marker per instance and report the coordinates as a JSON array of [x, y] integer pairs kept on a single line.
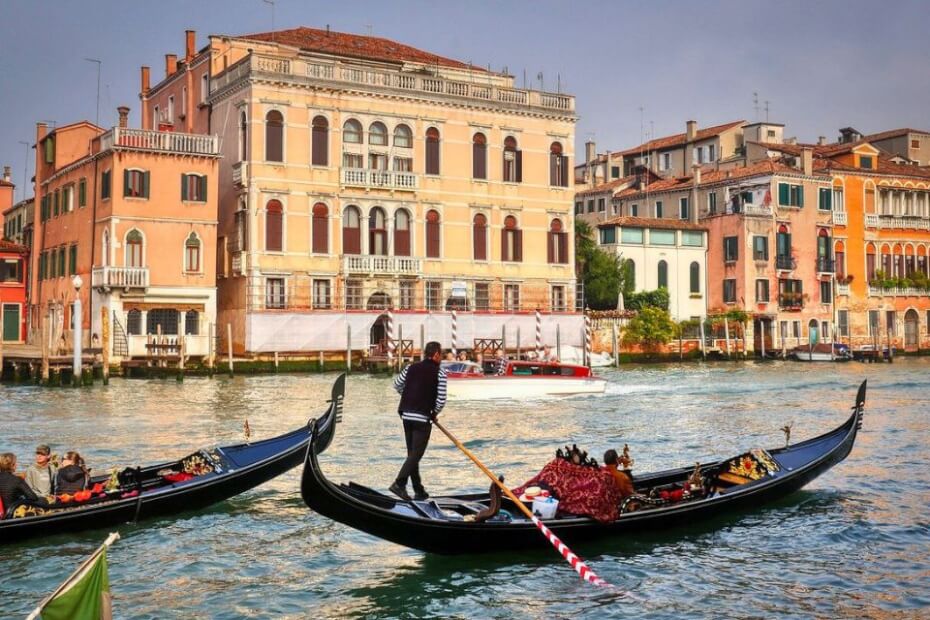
[[360, 175]]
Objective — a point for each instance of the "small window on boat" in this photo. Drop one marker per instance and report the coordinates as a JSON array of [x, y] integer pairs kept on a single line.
[[568, 372], [522, 370]]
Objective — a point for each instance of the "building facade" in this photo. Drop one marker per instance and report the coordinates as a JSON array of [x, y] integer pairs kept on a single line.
[[17, 222], [14, 260], [133, 213], [361, 175]]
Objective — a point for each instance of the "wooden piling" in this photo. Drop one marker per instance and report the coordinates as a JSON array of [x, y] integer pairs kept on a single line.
[[422, 341], [276, 361], [518, 342], [229, 347], [44, 331], [348, 348], [616, 344], [703, 341], [726, 334], [322, 366], [105, 344], [558, 342]]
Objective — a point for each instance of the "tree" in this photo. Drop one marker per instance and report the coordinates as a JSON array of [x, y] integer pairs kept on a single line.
[[650, 328], [602, 272], [655, 299]]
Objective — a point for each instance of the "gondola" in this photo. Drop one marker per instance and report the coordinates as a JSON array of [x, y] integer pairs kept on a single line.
[[448, 525], [168, 488]]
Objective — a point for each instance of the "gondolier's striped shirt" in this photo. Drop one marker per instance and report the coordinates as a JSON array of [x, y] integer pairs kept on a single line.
[[401, 381]]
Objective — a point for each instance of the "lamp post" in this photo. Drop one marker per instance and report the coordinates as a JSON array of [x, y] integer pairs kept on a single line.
[[76, 330]]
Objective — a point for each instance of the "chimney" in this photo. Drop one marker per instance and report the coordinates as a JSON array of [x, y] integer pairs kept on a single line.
[[7, 175], [696, 174], [821, 140], [607, 175], [807, 160], [691, 131], [146, 82], [171, 64], [191, 47], [123, 116]]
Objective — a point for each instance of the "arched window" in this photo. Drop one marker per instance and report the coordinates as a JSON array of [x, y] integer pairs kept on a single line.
[[319, 142], [134, 322], [320, 233], [274, 226], [513, 161], [557, 246], [352, 131], [695, 273], [192, 254], [401, 232], [377, 232], [134, 253], [351, 231], [558, 166], [274, 136], [480, 237], [243, 136], [663, 274], [511, 241], [870, 262], [377, 134], [432, 151], [192, 323], [839, 255], [403, 137], [479, 157], [433, 234]]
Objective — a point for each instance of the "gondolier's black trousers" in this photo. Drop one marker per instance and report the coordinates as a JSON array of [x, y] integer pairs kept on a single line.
[[416, 434]]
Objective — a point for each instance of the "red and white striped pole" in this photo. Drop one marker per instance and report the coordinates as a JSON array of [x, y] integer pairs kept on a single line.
[[455, 333], [538, 334], [587, 339], [390, 337]]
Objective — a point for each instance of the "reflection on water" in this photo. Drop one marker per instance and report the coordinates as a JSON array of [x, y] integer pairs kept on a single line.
[[854, 543]]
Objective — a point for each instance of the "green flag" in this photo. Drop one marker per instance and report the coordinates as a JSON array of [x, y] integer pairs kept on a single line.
[[84, 596]]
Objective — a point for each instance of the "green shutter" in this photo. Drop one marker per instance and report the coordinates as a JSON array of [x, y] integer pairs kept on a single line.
[[125, 183], [82, 192], [72, 260], [783, 194], [145, 185], [183, 187], [55, 202], [203, 188], [800, 190]]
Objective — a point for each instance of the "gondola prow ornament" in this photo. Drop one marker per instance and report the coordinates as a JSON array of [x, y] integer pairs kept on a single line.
[[786, 429], [247, 430]]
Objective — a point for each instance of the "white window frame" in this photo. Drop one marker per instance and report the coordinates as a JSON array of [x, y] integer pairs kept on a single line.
[[171, 109]]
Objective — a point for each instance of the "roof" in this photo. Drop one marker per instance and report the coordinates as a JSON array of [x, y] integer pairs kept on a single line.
[[681, 138], [895, 133], [603, 187], [651, 222], [355, 46], [9, 246], [886, 167]]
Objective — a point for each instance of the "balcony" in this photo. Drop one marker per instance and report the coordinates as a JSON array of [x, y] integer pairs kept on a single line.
[[879, 291], [842, 289], [871, 220], [785, 263], [826, 265], [790, 301], [126, 278], [839, 218], [123, 138], [911, 222], [240, 174], [383, 265], [385, 179], [753, 210]]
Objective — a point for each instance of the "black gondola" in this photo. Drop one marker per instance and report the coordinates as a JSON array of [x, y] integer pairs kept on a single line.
[[446, 525], [145, 492]]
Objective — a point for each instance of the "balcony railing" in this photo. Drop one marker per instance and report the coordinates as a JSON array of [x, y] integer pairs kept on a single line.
[[842, 289], [792, 301], [164, 141], [240, 173], [826, 265], [363, 177], [871, 220], [120, 277], [909, 222], [839, 218], [757, 210], [785, 263], [353, 76], [878, 291], [360, 264]]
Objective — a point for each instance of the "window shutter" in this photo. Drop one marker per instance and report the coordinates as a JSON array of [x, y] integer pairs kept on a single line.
[[479, 161], [563, 180], [800, 190], [183, 187], [518, 246], [563, 248], [203, 187], [320, 155], [553, 170], [550, 247], [519, 166], [145, 185], [504, 234], [783, 196], [432, 156], [273, 225], [479, 244], [401, 242], [125, 183]]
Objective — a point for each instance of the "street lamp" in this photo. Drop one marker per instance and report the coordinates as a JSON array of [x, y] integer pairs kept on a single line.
[[77, 282]]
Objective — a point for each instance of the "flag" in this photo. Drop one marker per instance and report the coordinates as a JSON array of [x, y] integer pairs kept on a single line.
[[85, 595]]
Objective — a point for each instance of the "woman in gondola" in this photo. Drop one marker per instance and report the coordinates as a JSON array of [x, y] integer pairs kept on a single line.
[[13, 489], [72, 476]]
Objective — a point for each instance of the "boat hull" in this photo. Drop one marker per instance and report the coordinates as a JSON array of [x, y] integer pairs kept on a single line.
[[492, 387]]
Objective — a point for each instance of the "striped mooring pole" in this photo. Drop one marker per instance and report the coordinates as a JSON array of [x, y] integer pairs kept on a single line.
[[587, 339], [455, 333], [538, 334], [390, 337]]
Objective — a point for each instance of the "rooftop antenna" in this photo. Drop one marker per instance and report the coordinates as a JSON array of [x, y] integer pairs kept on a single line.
[[271, 2], [559, 87], [99, 63], [368, 28], [539, 76], [25, 168], [755, 103], [766, 110]]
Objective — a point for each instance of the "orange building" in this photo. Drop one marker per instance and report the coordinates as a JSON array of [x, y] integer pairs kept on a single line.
[[13, 259], [133, 213]]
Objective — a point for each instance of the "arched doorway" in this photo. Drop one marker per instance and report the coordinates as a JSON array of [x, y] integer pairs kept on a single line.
[[378, 337], [379, 301], [911, 330], [813, 332]]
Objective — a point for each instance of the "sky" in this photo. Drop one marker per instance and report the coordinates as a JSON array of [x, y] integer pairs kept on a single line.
[[636, 68]]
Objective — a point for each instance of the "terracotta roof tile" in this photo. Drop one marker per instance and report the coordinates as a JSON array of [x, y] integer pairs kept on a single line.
[[603, 187], [680, 138], [894, 133], [651, 222], [355, 46]]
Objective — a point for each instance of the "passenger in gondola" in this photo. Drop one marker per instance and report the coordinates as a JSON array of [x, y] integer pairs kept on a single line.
[[72, 476], [13, 489], [622, 479], [40, 476]]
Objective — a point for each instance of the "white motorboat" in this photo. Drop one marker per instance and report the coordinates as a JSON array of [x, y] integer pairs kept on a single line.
[[516, 379]]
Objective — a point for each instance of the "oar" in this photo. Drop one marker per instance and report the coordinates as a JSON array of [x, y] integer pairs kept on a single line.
[[577, 563]]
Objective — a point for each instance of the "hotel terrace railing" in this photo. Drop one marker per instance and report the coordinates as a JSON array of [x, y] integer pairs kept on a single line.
[[240, 173], [400, 265], [363, 177], [350, 75], [163, 141], [878, 291], [120, 277], [839, 218], [785, 263]]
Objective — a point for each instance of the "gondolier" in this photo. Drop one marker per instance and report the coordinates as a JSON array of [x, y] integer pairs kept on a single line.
[[422, 388]]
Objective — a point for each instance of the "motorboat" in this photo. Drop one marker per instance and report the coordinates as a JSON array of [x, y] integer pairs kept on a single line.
[[520, 379], [821, 352]]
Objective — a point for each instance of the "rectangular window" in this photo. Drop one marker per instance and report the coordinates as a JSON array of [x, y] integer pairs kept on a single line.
[[729, 291], [760, 247], [712, 202], [790, 293], [105, 184], [274, 293], [193, 188], [407, 294], [692, 238], [796, 329], [865, 161], [826, 292], [591, 206], [61, 261], [403, 164], [204, 87], [730, 249], [683, 211], [352, 160], [711, 152], [662, 237], [433, 295], [11, 270], [891, 321], [512, 297], [634, 210], [558, 299], [608, 235], [615, 172], [699, 154], [659, 209], [600, 205], [842, 323], [353, 294], [874, 323], [50, 150], [762, 291], [82, 193], [72, 260], [790, 195], [579, 208], [666, 161], [67, 199], [825, 199], [482, 296], [377, 161], [135, 184], [56, 200], [321, 294], [631, 235]]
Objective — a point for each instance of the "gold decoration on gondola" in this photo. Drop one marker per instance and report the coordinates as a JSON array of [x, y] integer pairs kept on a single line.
[[113, 481], [247, 430], [625, 460], [786, 429]]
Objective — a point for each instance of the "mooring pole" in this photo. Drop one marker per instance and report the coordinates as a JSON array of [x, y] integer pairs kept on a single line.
[[105, 343], [229, 347]]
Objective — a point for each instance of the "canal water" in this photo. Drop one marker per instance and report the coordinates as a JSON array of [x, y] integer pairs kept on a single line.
[[854, 543]]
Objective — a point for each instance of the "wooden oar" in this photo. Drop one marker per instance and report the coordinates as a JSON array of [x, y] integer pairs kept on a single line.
[[577, 563]]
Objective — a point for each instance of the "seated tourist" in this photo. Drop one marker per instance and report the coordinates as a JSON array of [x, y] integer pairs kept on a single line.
[[72, 476], [450, 357], [13, 489], [621, 479], [40, 476], [463, 356]]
